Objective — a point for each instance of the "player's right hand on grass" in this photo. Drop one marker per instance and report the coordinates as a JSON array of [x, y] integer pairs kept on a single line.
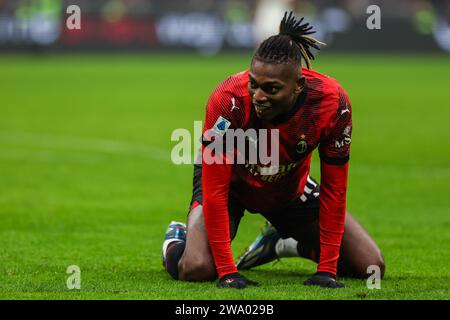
[[235, 280], [325, 280]]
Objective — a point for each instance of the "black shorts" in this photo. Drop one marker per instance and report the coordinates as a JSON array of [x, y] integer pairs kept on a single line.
[[286, 219]]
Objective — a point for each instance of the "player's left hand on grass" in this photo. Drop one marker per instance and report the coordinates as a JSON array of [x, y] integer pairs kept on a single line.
[[325, 280], [235, 280]]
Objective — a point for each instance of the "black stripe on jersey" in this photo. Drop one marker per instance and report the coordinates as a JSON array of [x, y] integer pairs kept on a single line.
[[338, 161], [205, 142]]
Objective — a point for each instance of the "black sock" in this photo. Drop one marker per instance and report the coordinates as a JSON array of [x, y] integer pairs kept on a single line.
[[173, 255]]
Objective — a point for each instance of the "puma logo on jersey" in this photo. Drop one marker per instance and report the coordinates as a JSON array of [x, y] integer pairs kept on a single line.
[[233, 104]]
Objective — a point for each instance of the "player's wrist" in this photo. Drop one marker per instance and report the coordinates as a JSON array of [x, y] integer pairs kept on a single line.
[[325, 280], [332, 270], [223, 272], [230, 275], [325, 274], [235, 280]]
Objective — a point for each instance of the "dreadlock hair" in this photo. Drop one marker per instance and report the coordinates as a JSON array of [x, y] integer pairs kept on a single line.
[[291, 44]]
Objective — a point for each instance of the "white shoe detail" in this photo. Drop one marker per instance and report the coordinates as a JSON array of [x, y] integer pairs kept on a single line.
[[286, 248]]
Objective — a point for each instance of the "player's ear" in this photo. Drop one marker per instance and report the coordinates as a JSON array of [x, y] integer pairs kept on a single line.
[[300, 84]]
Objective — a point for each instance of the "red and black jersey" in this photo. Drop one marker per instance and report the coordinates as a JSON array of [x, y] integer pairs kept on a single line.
[[321, 118]]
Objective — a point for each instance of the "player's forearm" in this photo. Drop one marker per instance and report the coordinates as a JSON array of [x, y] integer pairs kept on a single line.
[[215, 183], [333, 192]]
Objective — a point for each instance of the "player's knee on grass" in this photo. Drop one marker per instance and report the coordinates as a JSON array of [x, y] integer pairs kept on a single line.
[[375, 259], [197, 270], [379, 261]]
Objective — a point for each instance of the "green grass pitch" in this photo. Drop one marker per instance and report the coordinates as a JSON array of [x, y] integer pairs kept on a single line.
[[86, 177]]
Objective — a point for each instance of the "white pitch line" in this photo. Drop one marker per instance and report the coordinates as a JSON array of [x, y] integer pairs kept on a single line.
[[80, 143]]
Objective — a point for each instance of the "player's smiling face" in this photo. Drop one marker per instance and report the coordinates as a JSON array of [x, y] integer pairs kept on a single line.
[[274, 87]]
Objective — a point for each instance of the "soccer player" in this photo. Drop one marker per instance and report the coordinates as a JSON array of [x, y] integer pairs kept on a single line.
[[309, 110]]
